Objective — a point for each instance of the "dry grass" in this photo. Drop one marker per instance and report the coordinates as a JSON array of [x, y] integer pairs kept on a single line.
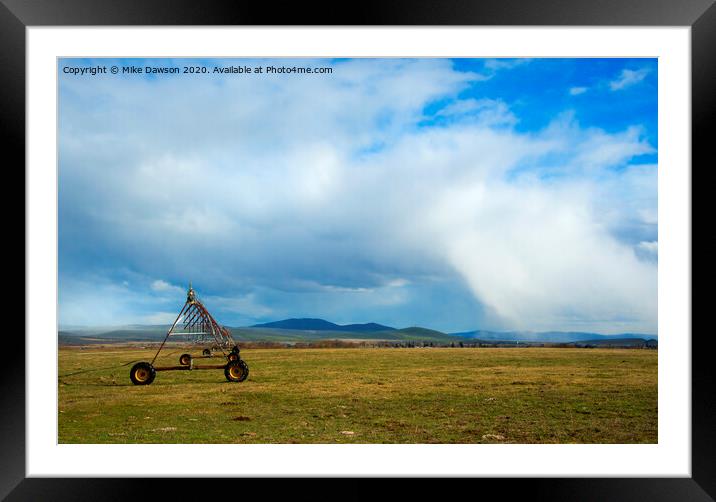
[[536, 395]]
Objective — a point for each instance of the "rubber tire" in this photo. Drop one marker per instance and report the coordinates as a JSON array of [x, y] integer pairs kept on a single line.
[[240, 364], [233, 356], [145, 366], [246, 370], [206, 352], [185, 359]]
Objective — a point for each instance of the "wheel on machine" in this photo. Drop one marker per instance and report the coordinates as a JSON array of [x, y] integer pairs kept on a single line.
[[206, 352], [233, 356], [245, 367], [185, 359], [236, 371], [142, 374]]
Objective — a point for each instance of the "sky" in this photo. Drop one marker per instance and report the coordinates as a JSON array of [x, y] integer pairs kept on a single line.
[[501, 194]]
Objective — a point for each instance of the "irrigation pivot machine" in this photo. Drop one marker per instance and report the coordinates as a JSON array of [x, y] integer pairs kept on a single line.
[[199, 329]]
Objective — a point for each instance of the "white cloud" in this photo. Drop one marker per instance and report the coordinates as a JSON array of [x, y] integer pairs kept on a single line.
[[164, 287], [598, 149], [484, 111], [576, 91], [649, 247], [647, 251], [505, 64], [628, 78], [544, 261], [295, 186], [649, 215]]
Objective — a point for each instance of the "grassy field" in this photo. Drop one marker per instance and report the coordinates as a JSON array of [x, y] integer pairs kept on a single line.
[[531, 395]]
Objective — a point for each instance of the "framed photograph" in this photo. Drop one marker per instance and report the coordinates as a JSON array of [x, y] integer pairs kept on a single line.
[[428, 241]]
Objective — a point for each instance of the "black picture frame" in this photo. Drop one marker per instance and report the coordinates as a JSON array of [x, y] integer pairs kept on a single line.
[[700, 15]]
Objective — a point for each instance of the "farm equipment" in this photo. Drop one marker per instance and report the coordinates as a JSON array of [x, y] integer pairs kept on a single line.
[[200, 329]]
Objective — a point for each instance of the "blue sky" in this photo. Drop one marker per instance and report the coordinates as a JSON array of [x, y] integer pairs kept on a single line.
[[452, 194]]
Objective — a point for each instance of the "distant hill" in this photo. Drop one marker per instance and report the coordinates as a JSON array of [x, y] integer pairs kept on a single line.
[[423, 334], [311, 329], [322, 325], [124, 333], [70, 338], [546, 336], [620, 342], [321, 330]]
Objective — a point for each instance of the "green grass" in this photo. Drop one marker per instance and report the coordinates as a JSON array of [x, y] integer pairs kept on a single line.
[[530, 395]]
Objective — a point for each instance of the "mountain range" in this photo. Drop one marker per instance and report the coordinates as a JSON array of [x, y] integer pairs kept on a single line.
[[322, 325], [307, 329], [547, 336]]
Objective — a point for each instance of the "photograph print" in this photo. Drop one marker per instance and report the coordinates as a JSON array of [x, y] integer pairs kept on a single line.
[[357, 250]]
